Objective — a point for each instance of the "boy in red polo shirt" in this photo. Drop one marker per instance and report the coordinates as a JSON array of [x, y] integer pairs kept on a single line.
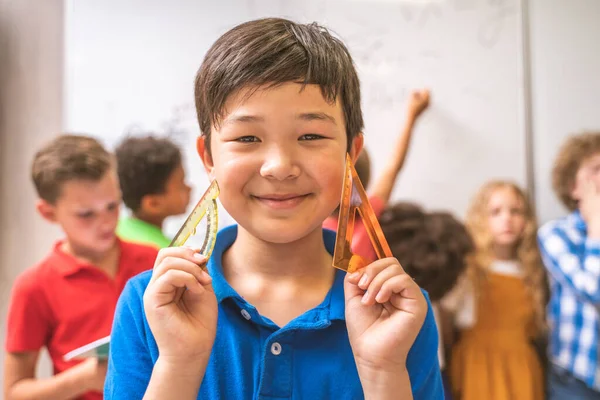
[[69, 298]]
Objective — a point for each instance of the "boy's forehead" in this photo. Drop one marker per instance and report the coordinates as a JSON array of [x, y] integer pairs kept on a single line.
[[85, 190], [593, 159], [293, 97]]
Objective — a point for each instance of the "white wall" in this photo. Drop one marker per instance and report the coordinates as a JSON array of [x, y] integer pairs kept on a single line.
[[31, 71], [141, 70], [565, 56]]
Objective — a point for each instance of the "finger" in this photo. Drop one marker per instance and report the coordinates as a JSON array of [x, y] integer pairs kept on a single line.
[[416, 304], [163, 291], [205, 280], [378, 281], [374, 269], [175, 263], [186, 253], [351, 288], [401, 284], [354, 277]]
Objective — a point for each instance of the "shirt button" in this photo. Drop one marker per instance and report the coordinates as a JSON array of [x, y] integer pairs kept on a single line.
[[276, 349], [246, 314]]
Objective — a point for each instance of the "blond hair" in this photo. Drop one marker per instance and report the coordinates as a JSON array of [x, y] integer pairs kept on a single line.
[[527, 249]]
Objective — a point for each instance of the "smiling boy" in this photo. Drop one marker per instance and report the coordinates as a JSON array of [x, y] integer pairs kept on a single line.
[[279, 108]]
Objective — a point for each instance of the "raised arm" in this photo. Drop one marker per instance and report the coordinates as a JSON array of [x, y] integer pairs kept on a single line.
[[384, 184]]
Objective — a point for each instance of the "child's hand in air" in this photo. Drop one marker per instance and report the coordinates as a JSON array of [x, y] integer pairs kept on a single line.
[[385, 310], [418, 101], [181, 306]]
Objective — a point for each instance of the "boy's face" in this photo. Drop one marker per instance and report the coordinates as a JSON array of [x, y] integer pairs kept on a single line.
[[87, 212], [175, 198], [279, 158], [588, 171]]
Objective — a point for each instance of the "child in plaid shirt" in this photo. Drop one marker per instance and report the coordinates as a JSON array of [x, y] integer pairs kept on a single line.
[[570, 248]]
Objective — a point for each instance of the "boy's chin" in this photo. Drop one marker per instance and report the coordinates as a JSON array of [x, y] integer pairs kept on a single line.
[[277, 233]]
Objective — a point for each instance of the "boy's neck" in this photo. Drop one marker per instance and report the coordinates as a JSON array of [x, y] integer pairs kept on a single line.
[[107, 261], [304, 260], [155, 220], [282, 281]]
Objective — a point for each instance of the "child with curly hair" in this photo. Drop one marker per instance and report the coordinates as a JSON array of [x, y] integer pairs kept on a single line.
[[570, 249]]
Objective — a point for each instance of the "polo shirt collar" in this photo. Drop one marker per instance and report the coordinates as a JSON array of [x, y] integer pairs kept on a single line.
[[68, 265], [332, 308]]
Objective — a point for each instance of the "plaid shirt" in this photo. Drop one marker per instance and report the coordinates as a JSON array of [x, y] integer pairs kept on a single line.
[[573, 263]]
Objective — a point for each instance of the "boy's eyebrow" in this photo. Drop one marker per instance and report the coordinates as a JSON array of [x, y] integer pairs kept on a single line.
[[316, 116], [309, 116], [243, 118]]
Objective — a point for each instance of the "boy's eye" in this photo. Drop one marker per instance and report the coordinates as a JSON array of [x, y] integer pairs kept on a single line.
[[112, 206], [247, 139], [85, 215], [311, 136]]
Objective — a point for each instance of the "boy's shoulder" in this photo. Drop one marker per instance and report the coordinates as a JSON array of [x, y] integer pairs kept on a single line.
[[565, 223], [138, 250], [32, 278], [137, 231], [136, 286], [137, 258]]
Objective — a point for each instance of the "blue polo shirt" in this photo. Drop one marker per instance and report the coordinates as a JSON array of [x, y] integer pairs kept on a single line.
[[252, 358]]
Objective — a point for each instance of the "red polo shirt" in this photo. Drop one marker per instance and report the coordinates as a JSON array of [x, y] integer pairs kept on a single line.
[[361, 243], [63, 304]]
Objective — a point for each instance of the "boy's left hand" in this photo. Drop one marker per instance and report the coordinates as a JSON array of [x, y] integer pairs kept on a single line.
[[385, 310]]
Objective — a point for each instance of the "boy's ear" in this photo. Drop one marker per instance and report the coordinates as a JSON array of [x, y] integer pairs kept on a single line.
[[46, 210], [151, 204], [357, 146], [204, 154]]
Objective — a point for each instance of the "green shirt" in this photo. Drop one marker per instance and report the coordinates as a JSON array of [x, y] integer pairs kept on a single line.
[[135, 230]]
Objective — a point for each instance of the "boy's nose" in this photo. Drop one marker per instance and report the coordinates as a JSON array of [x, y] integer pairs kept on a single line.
[[279, 165]]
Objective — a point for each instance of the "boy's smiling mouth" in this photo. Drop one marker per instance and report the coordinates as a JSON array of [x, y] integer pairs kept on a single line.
[[281, 201]]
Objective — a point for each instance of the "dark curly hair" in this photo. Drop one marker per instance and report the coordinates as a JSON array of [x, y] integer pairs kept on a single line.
[[144, 165], [431, 247]]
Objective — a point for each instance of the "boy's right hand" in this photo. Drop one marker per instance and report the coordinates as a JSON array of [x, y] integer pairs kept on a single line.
[[181, 306], [94, 371], [418, 102]]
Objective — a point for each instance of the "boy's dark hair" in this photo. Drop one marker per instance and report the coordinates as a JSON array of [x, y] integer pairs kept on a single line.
[[144, 165], [66, 158], [575, 150], [272, 51], [431, 247]]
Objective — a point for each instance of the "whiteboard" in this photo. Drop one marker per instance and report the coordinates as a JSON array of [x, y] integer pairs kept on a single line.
[[130, 65]]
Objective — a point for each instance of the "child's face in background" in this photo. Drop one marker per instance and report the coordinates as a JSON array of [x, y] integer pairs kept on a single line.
[[279, 158], [506, 217], [176, 197], [88, 212], [588, 171]]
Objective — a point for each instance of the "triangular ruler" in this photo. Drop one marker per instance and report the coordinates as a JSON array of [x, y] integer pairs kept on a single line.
[[206, 206], [354, 198]]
